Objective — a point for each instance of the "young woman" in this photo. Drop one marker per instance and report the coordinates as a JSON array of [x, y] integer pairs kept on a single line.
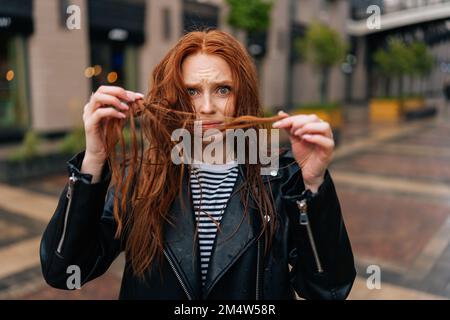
[[213, 231]]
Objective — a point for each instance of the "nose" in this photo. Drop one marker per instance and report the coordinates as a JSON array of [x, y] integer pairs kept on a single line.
[[207, 105]]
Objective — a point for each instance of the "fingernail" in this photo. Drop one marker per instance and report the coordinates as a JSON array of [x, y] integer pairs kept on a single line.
[[276, 124], [140, 95], [307, 136], [130, 96], [125, 105]]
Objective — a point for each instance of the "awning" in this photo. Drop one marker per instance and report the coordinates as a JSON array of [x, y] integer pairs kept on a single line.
[[16, 16], [117, 21]]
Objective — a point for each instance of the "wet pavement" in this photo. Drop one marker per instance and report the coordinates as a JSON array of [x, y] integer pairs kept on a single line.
[[394, 185]]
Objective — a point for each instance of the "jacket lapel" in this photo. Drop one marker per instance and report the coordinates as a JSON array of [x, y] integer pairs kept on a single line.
[[179, 240], [236, 234]]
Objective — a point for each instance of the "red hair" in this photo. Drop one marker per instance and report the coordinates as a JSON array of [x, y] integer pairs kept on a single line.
[[153, 182]]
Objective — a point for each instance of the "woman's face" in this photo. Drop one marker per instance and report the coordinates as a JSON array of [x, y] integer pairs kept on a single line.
[[208, 82]]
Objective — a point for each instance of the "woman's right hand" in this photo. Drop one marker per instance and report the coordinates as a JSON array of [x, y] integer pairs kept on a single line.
[[107, 103]]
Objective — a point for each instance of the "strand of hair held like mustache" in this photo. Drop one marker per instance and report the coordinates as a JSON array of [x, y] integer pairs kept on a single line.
[[157, 122], [241, 122]]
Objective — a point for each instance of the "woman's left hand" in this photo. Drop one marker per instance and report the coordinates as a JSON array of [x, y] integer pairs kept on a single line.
[[312, 145]]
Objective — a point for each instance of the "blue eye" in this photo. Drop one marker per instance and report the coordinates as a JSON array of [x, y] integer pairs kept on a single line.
[[224, 90], [191, 91]]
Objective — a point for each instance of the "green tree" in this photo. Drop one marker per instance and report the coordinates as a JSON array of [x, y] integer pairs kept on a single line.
[[383, 67], [423, 61], [73, 142], [29, 148], [323, 47], [250, 15], [399, 59]]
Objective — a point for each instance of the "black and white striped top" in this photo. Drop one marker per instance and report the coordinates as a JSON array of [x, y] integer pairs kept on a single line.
[[211, 187]]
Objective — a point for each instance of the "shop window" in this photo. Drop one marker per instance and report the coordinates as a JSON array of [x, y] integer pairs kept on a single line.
[[13, 82], [116, 30], [113, 64]]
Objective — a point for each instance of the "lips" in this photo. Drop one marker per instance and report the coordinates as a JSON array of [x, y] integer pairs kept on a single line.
[[207, 124]]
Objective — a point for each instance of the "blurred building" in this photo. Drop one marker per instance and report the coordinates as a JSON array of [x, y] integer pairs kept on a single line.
[[47, 70], [409, 20]]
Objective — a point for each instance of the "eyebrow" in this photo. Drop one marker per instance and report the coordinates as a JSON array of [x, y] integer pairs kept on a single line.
[[217, 84]]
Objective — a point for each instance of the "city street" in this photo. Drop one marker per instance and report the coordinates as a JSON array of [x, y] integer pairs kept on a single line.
[[393, 182]]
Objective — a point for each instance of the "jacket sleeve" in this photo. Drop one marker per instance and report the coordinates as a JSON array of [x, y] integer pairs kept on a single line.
[[321, 257], [81, 231]]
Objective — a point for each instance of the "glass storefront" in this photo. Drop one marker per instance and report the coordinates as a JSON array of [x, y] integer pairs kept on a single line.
[[13, 82], [114, 42], [16, 25], [114, 64]]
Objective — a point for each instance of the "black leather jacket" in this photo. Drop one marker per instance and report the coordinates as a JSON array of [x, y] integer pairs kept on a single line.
[[310, 252]]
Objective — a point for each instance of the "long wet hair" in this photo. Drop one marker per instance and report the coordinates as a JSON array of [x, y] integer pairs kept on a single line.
[[146, 181]]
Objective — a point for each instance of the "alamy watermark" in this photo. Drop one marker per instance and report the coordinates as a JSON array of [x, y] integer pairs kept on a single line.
[[374, 20], [258, 149], [73, 22], [74, 279], [374, 279]]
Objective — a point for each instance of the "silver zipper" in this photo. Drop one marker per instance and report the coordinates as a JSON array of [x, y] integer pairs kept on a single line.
[[72, 181], [304, 221], [177, 275]]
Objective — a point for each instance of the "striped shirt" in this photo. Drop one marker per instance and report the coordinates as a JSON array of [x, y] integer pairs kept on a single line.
[[211, 187]]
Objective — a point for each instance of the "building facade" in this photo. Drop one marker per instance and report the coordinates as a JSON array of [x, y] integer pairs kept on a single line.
[[55, 53], [409, 20]]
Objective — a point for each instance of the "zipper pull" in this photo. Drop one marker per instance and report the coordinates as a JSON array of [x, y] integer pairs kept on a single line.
[[72, 180], [303, 208]]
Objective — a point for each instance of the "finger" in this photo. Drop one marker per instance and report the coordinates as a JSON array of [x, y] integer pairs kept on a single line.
[[297, 124], [300, 119], [102, 113], [135, 95], [319, 140], [118, 92], [282, 113], [313, 128], [101, 99]]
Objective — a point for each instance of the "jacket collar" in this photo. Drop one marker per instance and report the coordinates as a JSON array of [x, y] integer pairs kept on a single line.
[[236, 234]]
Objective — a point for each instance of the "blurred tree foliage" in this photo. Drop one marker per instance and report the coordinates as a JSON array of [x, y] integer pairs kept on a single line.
[[73, 142], [28, 149], [393, 62], [250, 15], [423, 61], [322, 47], [399, 59]]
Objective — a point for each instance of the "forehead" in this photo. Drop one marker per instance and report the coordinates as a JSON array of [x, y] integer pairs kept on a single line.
[[201, 67]]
